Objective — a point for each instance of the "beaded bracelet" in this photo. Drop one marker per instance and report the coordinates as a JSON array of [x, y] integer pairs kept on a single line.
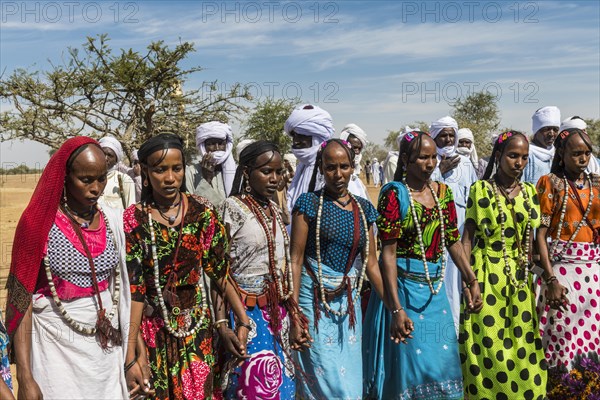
[[551, 279], [219, 322], [128, 366], [470, 284], [397, 310]]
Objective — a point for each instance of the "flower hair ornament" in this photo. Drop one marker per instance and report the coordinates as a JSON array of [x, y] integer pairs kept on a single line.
[[565, 134], [504, 136]]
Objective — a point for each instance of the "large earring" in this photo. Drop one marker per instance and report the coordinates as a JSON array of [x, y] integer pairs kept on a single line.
[[247, 187], [64, 196], [145, 182]]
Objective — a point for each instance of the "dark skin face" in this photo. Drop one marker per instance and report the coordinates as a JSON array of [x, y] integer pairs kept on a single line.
[[445, 138], [213, 144], [576, 157], [337, 169], [545, 136], [111, 157], [356, 144], [465, 143], [265, 178], [301, 141], [86, 179], [166, 177], [513, 160], [420, 169]]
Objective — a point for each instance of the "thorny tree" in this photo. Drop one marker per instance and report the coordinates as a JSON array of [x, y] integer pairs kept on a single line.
[[129, 95]]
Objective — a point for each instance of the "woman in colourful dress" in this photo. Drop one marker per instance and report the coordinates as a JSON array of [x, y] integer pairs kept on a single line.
[[417, 224], [6, 386], [501, 348], [173, 241], [261, 270], [332, 251], [570, 295], [68, 303]]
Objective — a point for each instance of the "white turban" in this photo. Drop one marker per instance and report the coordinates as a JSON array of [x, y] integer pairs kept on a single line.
[[109, 142], [289, 157], [313, 121], [545, 116], [437, 126], [242, 145], [356, 131], [316, 123], [218, 130], [447, 122], [134, 155], [471, 153], [573, 122]]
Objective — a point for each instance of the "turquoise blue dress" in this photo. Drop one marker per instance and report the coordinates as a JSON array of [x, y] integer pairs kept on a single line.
[[332, 367], [428, 367], [4, 363]]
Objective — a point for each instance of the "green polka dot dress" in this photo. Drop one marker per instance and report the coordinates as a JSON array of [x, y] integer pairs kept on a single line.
[[500, 348]]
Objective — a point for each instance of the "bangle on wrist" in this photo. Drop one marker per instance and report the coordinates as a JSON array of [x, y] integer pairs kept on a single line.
[[128, 366], [397, 310], [243, 325], [551, 279], [471, 282], [218, 323]]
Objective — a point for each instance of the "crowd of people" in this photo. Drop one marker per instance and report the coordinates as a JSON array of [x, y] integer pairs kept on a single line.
[[249, 277]]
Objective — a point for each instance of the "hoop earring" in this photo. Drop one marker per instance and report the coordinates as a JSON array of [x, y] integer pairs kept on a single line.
[[247, 187]]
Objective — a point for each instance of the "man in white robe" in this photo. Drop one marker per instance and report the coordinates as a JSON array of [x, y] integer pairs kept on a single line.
[[119, 192], [358, 140], [545, 124], [458, 172], [375, 172]]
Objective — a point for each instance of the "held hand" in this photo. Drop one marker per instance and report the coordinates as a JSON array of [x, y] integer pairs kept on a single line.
[[300, 339], [474, 301], [138, 381], [401, 327], [29, 390], [235, 344], [449, 163], [556, 296]]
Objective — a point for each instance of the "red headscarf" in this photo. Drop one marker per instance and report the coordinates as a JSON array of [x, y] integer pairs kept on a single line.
[[32, 232]]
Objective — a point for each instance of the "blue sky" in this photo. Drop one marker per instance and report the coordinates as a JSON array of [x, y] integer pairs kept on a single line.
[[379, 64]]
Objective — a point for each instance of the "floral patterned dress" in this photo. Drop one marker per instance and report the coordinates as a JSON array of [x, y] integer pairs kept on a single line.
[[182, 368]]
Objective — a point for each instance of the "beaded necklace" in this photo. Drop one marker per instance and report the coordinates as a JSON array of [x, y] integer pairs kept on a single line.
[[523, 255], [365, 256], [86, 330], [270, 234], [563, 211], [420, 236], [161, 301]]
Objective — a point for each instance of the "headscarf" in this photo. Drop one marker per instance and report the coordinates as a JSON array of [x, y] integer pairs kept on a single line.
[[466, 133], [437, 126], [313, 121], [357, 132], [573, 122], [545, 116], [218, 130], [32, 232], [109, 142]]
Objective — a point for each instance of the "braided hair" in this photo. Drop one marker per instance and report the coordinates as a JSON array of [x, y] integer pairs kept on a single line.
[[499, 146], [561, 144], [247, 162], [319, 160], [410, 145]]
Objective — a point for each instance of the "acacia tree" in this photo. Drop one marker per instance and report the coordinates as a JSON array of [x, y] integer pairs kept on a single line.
[[478, 112], [128, 95], [267, 120]]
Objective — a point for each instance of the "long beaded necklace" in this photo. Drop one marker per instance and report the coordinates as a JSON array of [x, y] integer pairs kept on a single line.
[[563, 211], [86, 330], [420, 236], [161, 300], [365, 256], [523, 255], [262, 219]]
